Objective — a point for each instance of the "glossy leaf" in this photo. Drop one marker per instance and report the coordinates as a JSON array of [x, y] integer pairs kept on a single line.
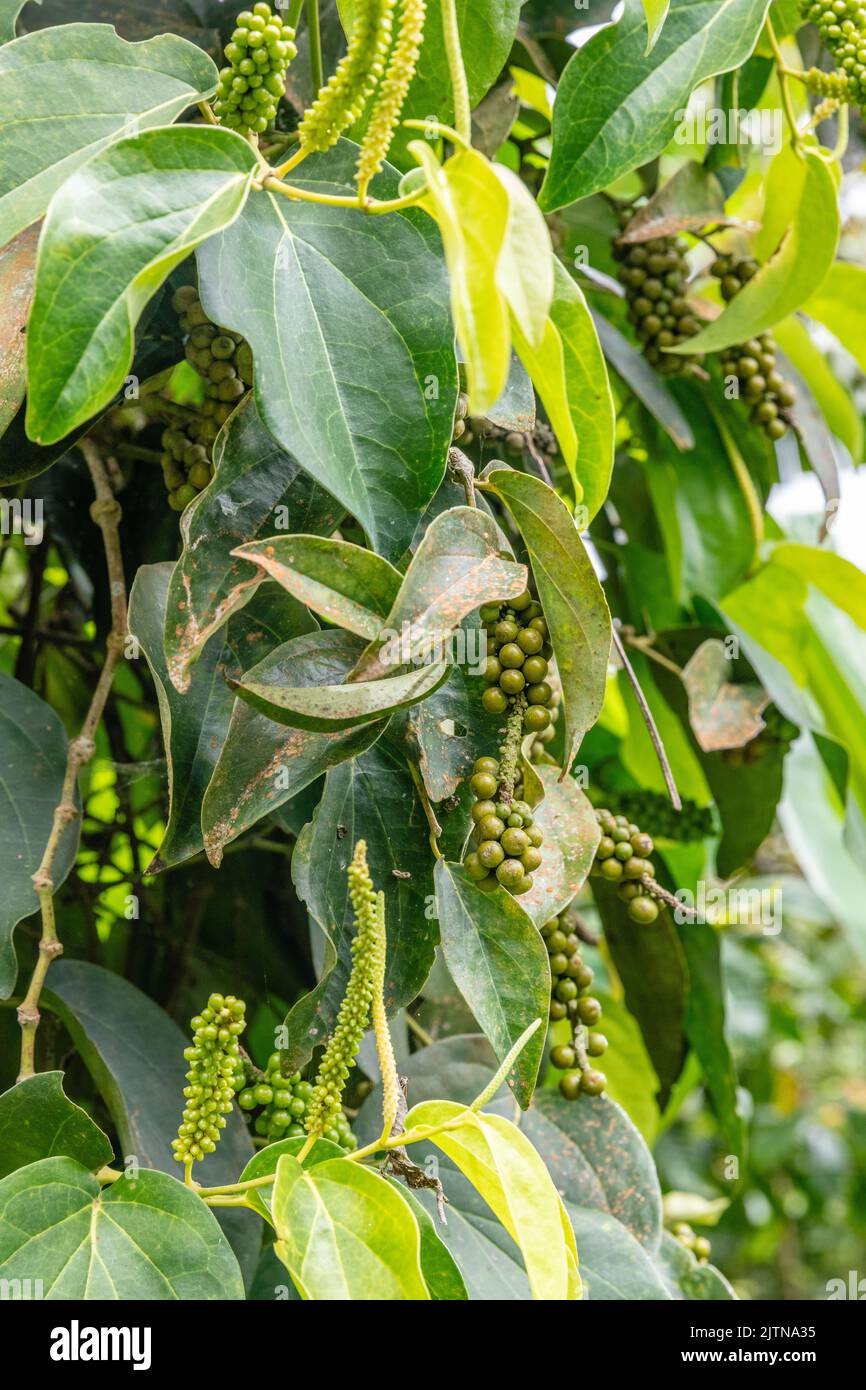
[[256, 486], [574, 604], [440, 1270], [798, 263], [150, 201], [151, 1238], [371, 798], [614, 1267], [38, 1120], [617, 105], [499, 963], [344, 1233], [472, 209], [509, 1174], [569, 373], [66, 93], [32, 765], [334, 307], [262, 763], [265, 1161], [345, 584]]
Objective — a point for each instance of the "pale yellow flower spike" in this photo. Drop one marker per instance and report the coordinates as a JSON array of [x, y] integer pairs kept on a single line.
[[381, 1031], [392, 92]]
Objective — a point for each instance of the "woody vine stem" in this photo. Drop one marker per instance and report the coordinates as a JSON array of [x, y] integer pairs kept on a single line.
[[106, 513]]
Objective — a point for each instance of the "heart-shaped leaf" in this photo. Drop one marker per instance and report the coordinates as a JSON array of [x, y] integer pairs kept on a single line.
[[150, 200], [333, 306], [143, 1238], [66, 93], [722, 714], [344, 1233]]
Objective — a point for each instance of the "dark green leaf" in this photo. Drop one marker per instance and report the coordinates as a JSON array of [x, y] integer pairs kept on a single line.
[[257, 489], [150, 200], [499, 963], [335, 306], [651, 964], [650, 389], [573, 600], [32, 767], [263, 764], [66, 93], [151, 1238], [686, 1277], [617, 105], [38, 1120], [438, 1266], [613, 1265]]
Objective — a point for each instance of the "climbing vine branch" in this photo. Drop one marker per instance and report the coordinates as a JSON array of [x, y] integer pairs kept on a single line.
[[105, 511]]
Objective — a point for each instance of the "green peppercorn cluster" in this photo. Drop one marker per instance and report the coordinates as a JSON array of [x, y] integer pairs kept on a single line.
[[519, 651], [760, 383], [699, 1245], [223, 359], [507, 840], [571, 979], [538, 747], [842, 25], [622, 857], [214, 1058], [324, 1104], [655, 276], [283, 1103], [514, 443], [251, 86], [692, 823]]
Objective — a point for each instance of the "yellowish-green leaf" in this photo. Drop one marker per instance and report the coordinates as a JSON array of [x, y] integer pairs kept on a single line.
[[526, 265], [345, 1234], [842, 582], [471, 207], [569, 373], [801, 206], [532, 91], [507, 1171], [656, 14], [840, 304]]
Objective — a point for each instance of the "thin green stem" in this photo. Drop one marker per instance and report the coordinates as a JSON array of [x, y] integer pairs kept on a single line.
[[457, 69], [314, 31], [446, 131], [272, 184], [783, 72]]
